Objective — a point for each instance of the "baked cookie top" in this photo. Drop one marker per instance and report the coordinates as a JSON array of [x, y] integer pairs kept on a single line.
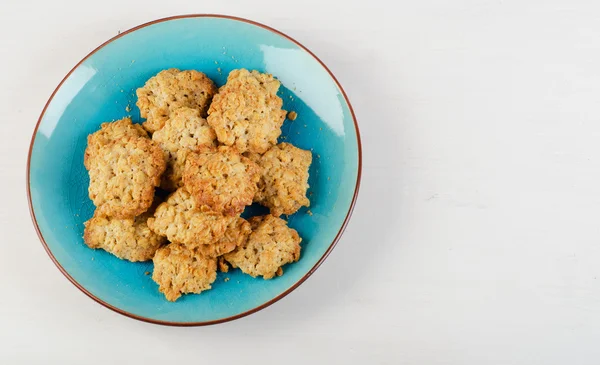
[[109, 132], [236, 234], [222, 180], [246, 113], [183, 132], [123, 175], [271, 245], [170, 90], [284, 179], [179, 270], [128, 238], [181, 221], [185, 129]]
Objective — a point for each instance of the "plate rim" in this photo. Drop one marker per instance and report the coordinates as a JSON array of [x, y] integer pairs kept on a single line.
[[239, 315]]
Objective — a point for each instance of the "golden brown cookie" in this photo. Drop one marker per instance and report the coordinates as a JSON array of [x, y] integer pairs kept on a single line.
[[181, 221], [224, 181], [271, 245], [128, 239], [110, 132], [184, 131], [284, 179], [236, 234], [123, 175], [179, 270], [246, 113], [170, 90]]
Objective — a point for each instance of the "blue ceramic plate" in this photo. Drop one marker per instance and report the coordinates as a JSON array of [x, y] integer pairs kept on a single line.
[[102, 88]]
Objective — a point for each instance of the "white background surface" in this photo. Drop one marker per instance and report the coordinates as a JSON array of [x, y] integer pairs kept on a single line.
[[476, 237]]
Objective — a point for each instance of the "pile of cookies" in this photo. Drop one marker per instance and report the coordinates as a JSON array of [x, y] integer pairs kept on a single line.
[[215, 152]]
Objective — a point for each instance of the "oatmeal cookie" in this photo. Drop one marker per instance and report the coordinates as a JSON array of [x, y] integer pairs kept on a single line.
[[181, 221], [179, 270], [170, 90], [128, 238], [224, 181], [236, 234], [123, 175], [246, 113], [185, 129], [110, 132], [183, 132], [271, 245], [284, 181]]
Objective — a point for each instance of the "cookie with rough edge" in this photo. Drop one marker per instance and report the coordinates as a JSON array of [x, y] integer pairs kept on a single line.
[[128, 239], [284, 180], [246, 112], [224, 181], [179, 270], [184, 131], [236, 234], [271, 245], [170, 90], [123, 175], [109, 132], [182, 221]]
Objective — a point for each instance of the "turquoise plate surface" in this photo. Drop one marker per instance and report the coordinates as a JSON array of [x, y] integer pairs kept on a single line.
[[102, 88]]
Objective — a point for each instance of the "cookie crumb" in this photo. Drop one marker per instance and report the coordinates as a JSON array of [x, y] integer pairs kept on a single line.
[[127, 108], [279, 272], [309, 212], [223, 267], [226, 279], [147, 273], [293, 115]]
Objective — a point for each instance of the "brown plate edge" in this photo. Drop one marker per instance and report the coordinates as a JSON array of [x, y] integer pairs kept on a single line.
[[253, 310]]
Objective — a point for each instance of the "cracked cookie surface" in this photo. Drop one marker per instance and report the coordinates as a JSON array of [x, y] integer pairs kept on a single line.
[[284, 179], [179, 270], [123, 175], [271, 245], [128, 238], [181, 221], [185, 131], [170, 90], [223, 181], [246, 112], [111, 131]]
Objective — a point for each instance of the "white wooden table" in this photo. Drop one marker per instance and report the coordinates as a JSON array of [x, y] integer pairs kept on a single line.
[[476, 236]]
